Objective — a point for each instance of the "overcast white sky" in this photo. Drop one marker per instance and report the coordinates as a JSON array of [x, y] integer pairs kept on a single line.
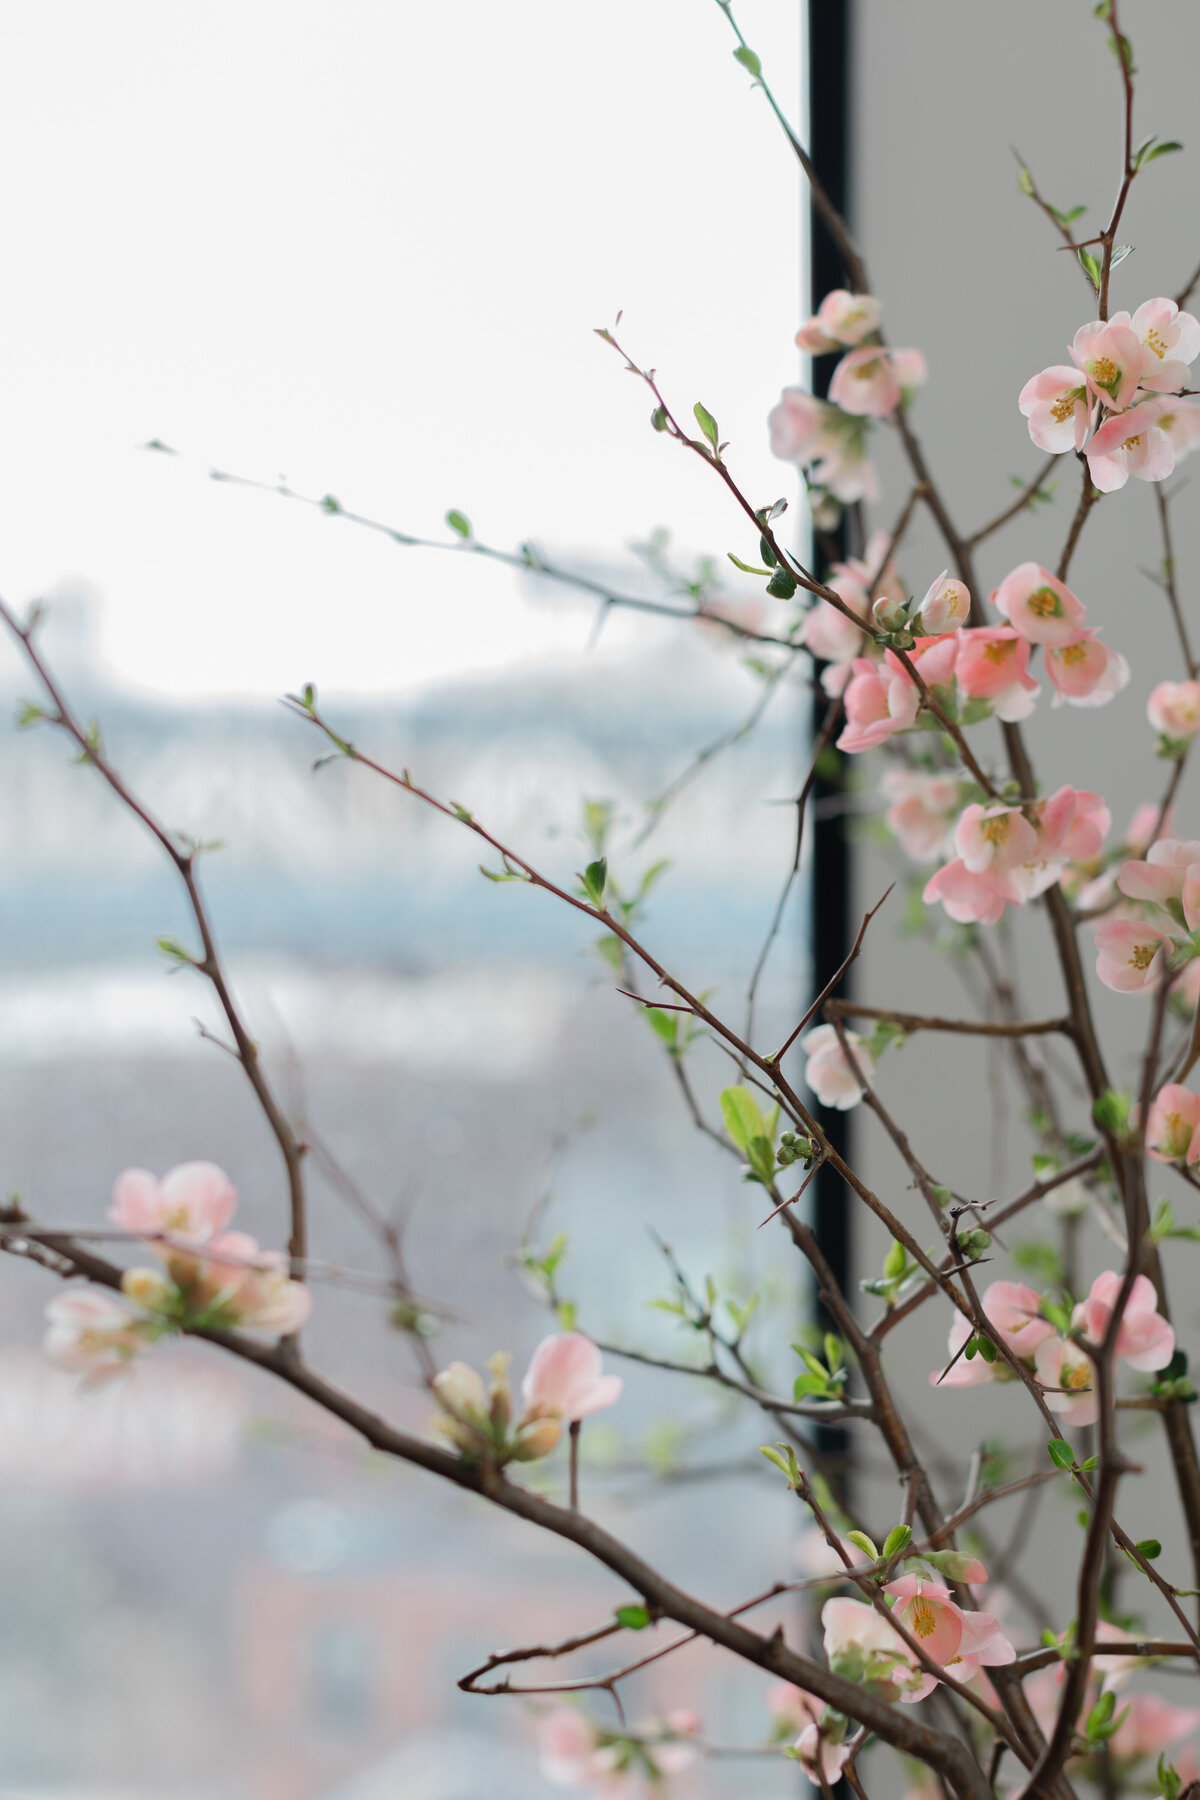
[[363, 244]]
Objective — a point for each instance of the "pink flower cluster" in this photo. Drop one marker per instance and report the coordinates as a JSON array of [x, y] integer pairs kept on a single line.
[[1121, 385], [1008, 855], [1135, 953], [1146, 1724], [575, 1753], [861, 1644], [1173, 1127], [563, 1384], [985, 668], [1145, 1340], [828, 438], [214, 1278]]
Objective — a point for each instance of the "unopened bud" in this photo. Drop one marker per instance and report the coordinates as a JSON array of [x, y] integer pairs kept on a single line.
[[945, 607], [460, 1390], [889, 613], [535, 1438]]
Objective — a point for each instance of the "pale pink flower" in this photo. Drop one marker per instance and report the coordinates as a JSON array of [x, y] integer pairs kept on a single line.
[[983, 1645], [1133, 443], [993, 664], [911, 371], [1039, 606], [797, 425], [830, 635], [969, 899], [835, 1079], [1056, 404], [1085, 672], [842, 466], [865, 383], [815, 342], [791, 1708], [1174, 709], [1145, 1340], [1150, 1726], [231, 1276], [1132, 956], [193, 1201], [93, 1333], [961, 1371], [1073, 824], [566, 1744], [1180, 424], [934, 659], [854, 1629], [1145, 827], [994, 838], [1067, 1375], [843, 318], [1170, 340], [929, 1612], [1111, 357], [878, 703], [945, 607], [565, 1379], [828, 1073], [1014, 1311], [922, 810], [1164, 875], [816, 1752], [1173, 1127]]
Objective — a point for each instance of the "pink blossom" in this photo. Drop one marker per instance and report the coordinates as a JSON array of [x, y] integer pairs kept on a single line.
[[1086, 672], [1145, 1340], [865, 382], [828, 1073], [1073, 823], [842, 466], [1180, 424], [566, 1744], [855, 1634], [945, 607], [1163, 876], [911, 371], [797, 425], [1039, 606], [1132, 956], [1173, 1127], [193, 1201], [1170, 340], [1056, 404], [934, 659], [1014, 1310], [93, 1333], [994, 838], [830, 635], [790, 1707], [564, 1379], [1151, 1726], [1174, 709], [929, 1612], [1132, 443], [231, 1279], [841, 318], [993, 664], [815, 1751], [961, 1371], [921, 811], [969, 899], [983, 1645], [1066, 1374], [878, 703], [1110, 356]]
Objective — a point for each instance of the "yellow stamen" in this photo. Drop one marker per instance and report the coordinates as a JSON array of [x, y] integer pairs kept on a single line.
[[1062, 409], [1104, 371], [923, 1617], [1044, 603], [1153, 341], [1143, 955], [1078, 1379], [996, 830]]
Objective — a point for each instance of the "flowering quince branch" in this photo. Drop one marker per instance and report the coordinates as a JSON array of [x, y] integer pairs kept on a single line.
[[911, 675]]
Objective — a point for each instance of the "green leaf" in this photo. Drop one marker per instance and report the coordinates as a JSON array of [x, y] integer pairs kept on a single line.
[[746, 568], [459, 522], [664, 1024], [862, 1542], [835, 1351], [1061, 1453], [748, 60], [331, 505], [1090, 267], [462, 812], [782, 585], [985, 1347], [895, 1262], [1100, 1716], [1024, 180], [897, 1539], [1161, 150], [594, 878], [1150, 1548], [743, 1116], [633, 1618], [707, 424]]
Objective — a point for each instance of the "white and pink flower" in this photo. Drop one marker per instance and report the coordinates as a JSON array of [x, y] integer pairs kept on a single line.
[[922, 811], [993, 664], [566, 1379], [1132, 443], [1132, 956], [1085, 672], [865, 383], [1174, 709], [1058, 408], [1039, 606], [1173, 1125], [879, 702], [94, 1333], [1110, 356], [1145, 1340], [1170, 341], [829, 1074], [193, 1202]]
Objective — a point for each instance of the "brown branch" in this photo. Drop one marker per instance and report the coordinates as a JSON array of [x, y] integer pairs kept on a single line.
[[835, 979], [849, 1009], [1028, 493]]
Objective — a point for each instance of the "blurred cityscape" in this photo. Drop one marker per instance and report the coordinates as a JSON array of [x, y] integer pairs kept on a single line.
[[212, 1590]]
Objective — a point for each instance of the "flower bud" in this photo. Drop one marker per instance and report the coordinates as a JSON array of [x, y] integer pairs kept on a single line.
[[148, 1289], [460, 1390], [890, 614], [945, 607], [535, 1438]]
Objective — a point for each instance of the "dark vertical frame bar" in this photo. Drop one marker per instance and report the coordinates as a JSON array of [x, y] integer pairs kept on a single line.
[[830, 47]]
